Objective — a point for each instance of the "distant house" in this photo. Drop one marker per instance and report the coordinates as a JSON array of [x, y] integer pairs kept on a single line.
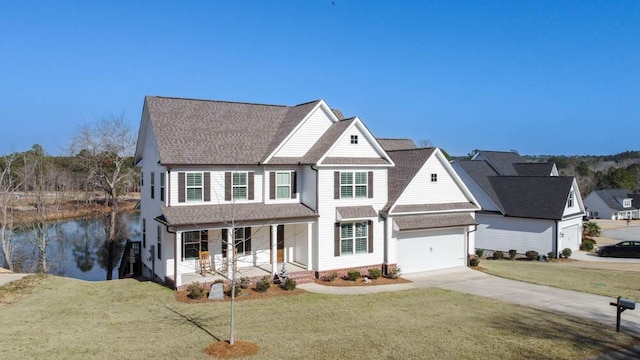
[[525, 206], [294, 186], [614, 204]]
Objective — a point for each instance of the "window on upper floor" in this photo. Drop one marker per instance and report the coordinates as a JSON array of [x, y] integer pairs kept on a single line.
[[283, 185], [434, 177], [153, 185], [239, 186], [194, 186], [570, 201], [162, 186], [354, 139], [353, 184], [193, 242], [626, 203]]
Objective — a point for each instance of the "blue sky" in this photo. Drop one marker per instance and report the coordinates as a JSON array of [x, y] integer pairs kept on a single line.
[[541, 77]]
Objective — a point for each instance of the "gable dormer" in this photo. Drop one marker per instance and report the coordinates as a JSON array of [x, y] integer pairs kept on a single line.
[[574, 202], [627, 202], [355, 142]]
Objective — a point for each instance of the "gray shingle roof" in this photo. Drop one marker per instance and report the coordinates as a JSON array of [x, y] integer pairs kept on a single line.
[[480, 172], [396, 144], [356, 212], [533, 169], [326, 141], [502, 161], [189, 131], [540, 197], [418, 222], [613, 198], [241, 214], [434, 207], [408, 163]]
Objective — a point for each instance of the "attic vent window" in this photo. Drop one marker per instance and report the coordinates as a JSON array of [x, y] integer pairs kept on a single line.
[[354, 139], [434, 177]]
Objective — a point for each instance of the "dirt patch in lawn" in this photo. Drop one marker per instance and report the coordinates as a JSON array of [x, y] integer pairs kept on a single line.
[[245, 294], [361, 282], [224, 350]]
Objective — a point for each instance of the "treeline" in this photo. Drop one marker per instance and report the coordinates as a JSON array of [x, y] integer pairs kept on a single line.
[[35, 169]]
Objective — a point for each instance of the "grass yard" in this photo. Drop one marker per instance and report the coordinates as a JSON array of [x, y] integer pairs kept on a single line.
[[125, 319], [611, 283]]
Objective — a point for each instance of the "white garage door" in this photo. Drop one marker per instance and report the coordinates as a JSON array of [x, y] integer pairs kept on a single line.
[[430, 250], [570, 238]]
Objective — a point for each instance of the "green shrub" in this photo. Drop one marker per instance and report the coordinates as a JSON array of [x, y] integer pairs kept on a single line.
[[289, 284], [479, 252], [393, 273], [513, 253], [474, 262], [587, 244], [566, 253], [195, 291], [532, 255], [244, 282], [375, 273], [497, 255], [353, 275], [591, 229], [263, 284], [236, 288], [332, 276], [551, 255]]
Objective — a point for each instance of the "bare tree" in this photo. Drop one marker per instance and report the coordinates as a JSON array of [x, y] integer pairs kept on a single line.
[[103, 148], [9, 184]]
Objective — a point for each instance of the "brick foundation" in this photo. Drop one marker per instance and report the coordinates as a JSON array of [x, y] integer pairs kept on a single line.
[[364, 270]]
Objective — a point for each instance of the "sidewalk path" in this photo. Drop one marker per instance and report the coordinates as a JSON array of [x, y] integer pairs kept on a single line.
[[7, 277]]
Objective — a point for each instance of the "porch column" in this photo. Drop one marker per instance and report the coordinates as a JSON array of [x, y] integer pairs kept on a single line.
[[230, 254], [177, 259], [309, 245], [274, 249]]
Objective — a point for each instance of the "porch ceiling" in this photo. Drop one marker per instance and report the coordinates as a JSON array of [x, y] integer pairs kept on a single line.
[[240, 214]]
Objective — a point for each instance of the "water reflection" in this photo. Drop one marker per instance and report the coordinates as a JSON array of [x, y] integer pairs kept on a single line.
[[77, 246]]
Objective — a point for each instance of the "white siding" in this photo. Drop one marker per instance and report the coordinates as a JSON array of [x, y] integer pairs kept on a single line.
[[363, 149], [295, 238], [575, 206], [570, 234], [307, 188], [484, 200], [307, 135], [326, 223], [497, 232], [422, 190], [594, 203]]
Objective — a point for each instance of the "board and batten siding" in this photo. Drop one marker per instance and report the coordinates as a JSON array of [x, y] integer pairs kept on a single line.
[[326, 259], [307, 135], [496, 232], [363, 149], [217, 184], [422, 190]]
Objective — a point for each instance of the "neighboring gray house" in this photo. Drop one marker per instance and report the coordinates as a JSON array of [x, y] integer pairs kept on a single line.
[[525, 206], [614, 204]]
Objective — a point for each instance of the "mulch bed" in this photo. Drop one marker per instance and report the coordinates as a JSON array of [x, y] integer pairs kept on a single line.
[[245, 294], [224, 350], [360, 282]]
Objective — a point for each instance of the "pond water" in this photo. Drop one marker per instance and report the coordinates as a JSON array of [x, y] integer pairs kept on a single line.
[[77, 247]]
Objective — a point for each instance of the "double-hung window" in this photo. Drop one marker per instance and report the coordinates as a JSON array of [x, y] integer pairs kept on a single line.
[[570, 201], [162, 185], [353, 184], [239, 186], [283, 185], [353, 238], [153, 185], [194, 187], [193, 242], [242, 238]]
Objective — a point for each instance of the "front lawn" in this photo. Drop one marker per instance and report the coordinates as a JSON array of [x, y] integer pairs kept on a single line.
[[611, 283], [125, 319]]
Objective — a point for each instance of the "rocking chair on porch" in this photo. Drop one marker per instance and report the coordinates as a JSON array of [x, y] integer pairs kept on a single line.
[[205, 262]]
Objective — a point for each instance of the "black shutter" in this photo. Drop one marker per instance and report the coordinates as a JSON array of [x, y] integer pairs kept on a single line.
[[336, 184], [207, 186], [181, 187], [247, 241], [370, 233], [336, 240], [370, 184], [250, 185], [272, 185], [224, 243], [294, 187], [227, 186], [204, 240]]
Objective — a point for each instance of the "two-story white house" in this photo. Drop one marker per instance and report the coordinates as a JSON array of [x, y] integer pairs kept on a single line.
[[294, 185]]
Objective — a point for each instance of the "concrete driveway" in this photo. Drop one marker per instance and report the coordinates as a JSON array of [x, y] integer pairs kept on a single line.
[[7, 277]]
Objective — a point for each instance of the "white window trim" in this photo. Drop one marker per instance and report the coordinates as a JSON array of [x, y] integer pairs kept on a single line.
[[570, 201], [626, 203], [245, 186], [288, 186], [354, 185], [187, 187], [354, 139], [353, 238]]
